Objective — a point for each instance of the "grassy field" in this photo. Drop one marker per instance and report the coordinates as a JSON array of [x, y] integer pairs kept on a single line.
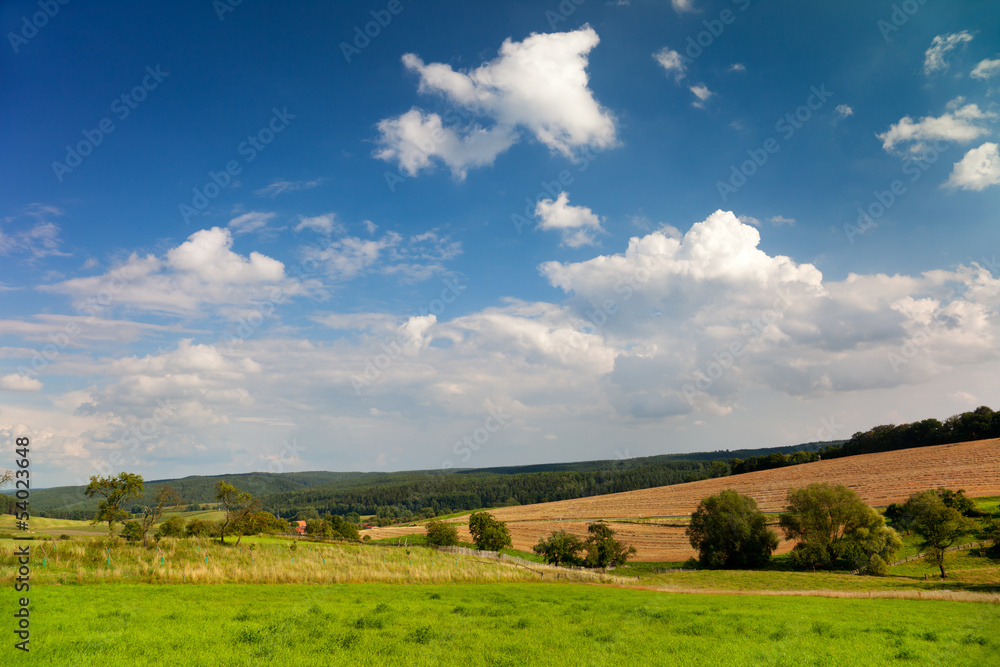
[[494, 624], [261, 560]]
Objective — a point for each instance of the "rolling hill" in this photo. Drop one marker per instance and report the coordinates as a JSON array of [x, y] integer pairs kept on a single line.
[[655, 517]]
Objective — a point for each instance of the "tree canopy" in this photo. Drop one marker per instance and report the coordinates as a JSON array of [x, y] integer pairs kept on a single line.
[[561, 548], [115, 491], [488, 532], [441, 534], [603, 550], [729, 531], [836, 529], [938, 525]]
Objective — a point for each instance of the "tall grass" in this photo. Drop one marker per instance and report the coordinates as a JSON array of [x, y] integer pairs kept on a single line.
[[205, 561]]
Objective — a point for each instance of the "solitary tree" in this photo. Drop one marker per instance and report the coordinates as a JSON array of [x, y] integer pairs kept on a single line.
[[489, 533], [115, 491], [938, 525], [835, 528], [560, 549], [730, 532], [442, 534], [603, 550], [166, 496], [238, 506]]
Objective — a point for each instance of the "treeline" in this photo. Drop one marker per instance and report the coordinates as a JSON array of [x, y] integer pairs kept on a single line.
[[444, 492], [979, 424]]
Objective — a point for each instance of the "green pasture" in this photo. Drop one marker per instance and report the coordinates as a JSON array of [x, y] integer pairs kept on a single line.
[[492, 624]]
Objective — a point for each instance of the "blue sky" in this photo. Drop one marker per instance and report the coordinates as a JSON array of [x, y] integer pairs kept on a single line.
[[250, 237]]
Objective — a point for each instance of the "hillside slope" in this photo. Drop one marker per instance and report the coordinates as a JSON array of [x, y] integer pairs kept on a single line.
[[879, 479]]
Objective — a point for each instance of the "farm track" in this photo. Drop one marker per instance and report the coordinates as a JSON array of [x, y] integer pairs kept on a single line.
[[880, 479]]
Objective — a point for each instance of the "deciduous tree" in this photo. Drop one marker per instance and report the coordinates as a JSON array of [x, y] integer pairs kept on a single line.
[[560, 549], [442, 534], [729, 531], [835, 528], [489, 533], [238, 506], [115, 491], [603, 550], [938, 525], [166, 496]]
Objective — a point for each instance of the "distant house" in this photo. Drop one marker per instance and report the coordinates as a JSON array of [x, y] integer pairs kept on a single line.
[[300, 527]]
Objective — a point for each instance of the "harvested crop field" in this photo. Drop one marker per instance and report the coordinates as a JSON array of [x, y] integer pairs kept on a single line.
[[879, 479]]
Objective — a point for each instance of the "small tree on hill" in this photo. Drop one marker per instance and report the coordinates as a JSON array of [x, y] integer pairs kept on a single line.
[[442, 534], [603, 550], [560, 549], [489, 533], [237, 504], [835, 528], [165, 497], [115, 491], [730, 532], [938, 525]]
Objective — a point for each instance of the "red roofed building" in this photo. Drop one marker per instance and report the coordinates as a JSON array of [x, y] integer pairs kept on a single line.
[[300, 527]]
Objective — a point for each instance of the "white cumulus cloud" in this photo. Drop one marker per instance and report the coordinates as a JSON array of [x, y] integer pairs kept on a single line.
[[578, 224], [539, 85], [977, 170], [961, 123]]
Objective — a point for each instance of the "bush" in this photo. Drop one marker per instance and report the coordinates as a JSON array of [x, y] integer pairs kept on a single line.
[[442, 534], [132, 531], [172, 527], [201, 528]]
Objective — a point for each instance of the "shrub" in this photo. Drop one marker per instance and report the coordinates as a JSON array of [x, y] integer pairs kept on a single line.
[[442, 534], [172, 527], [132, 531]]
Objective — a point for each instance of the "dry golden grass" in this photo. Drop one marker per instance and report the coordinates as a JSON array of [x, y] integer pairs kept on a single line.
[[879, 479], [199, 560]]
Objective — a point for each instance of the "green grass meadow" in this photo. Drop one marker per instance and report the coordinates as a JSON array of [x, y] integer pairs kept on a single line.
[[492, 624]]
